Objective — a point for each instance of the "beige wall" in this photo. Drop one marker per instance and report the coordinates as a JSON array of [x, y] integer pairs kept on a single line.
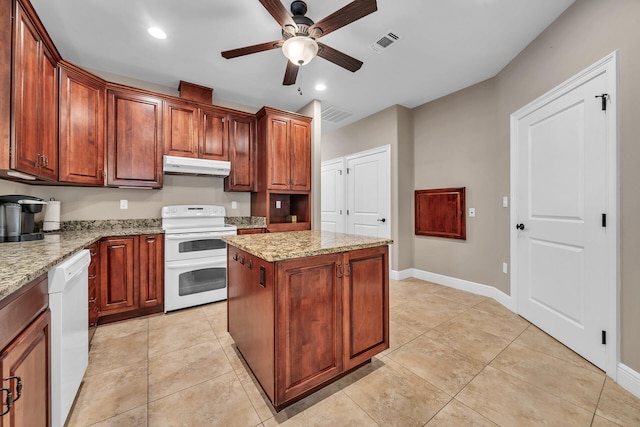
[[463, 140], [456, 146], [86, 203]]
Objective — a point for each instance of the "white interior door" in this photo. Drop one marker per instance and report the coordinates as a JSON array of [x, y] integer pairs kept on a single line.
[[368, 182], [563, 256], [332, 201]]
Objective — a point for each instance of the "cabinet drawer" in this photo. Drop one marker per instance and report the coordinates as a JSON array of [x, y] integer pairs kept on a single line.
[[19, 309]]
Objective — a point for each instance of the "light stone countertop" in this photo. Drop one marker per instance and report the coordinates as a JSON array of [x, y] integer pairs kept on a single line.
[[299, 244], [21, 262]]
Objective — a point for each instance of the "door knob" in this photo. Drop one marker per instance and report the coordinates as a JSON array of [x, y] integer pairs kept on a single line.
[[382, 220], [520, 226]]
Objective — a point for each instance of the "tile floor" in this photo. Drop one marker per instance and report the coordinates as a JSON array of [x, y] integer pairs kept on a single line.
[[455, 359]]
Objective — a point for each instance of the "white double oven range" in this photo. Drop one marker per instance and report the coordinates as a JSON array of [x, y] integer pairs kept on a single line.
[[195, 257]]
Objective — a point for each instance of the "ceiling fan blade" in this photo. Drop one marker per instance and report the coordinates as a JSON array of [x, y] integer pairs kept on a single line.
[[234, 53], [279, 13], [290, 74], [352, 12], [338, 58]]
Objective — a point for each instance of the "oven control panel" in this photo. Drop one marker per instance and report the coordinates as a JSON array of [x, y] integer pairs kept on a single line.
[[190, 211]]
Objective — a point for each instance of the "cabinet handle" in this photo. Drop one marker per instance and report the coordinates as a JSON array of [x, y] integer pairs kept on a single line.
[[348, 269], [117, 246], [93, 276], [18, 386], [8, 401], [46, 163], [242, 260], [250, 264], [340, 271], [93, 299], [94, 253], [39, 163], [235, 256]]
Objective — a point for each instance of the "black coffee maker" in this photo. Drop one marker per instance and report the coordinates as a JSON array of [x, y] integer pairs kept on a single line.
[[17, 218]]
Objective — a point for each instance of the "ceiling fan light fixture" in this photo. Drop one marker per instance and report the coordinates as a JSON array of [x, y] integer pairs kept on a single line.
[[300, 50]]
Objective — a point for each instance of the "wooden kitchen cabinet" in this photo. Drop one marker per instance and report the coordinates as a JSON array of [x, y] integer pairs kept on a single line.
[[24, 358], [151, 262], [251, 231], [284, 170], [82, 126], [117, 274], [242, 153], [134, 139], [214, 134], [302, 323], [284, 147], [131, 276], [35, 98]]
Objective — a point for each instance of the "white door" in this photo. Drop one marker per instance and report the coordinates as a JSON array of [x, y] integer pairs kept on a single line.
[[332, 201], [563, 256], [368, 183]]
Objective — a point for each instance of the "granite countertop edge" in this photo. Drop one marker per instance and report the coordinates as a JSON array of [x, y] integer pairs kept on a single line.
[[21, 262], [273, 247]]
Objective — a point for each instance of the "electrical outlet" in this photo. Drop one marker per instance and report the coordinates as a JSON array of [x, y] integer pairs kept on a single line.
[[278, 204], [234, 205], [505, 268], [472, 212], [505, 201], [124, 204]]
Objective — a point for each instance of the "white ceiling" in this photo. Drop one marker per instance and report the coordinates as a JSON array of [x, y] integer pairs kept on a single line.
[[445, 45]]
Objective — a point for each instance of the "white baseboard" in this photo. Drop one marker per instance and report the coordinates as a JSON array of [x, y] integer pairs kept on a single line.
[[452, 282], [626, 377]]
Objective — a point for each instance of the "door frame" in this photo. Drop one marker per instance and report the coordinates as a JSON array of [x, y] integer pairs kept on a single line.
[[609, 66]]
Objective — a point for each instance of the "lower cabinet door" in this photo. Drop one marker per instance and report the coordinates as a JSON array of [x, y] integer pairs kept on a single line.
[[366, 304], [25, 372], [117, 274], [309, 333]]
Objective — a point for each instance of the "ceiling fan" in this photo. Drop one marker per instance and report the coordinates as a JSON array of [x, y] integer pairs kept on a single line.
[[299, 35]]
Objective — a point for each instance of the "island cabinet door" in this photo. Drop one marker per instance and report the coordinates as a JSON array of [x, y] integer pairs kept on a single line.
[[309, 324], [366, 304]]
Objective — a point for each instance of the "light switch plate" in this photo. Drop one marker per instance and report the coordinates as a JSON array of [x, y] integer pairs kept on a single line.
[[505, 268], [124, 204], [234, 205], [472, 212], [505, 201]]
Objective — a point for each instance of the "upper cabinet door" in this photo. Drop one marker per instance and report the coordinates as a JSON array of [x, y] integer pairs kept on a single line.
[[82, 122], [300, 148], [134, 139], [242, 153], [278, 153], [180, 129], [214, 141], [35, 109]]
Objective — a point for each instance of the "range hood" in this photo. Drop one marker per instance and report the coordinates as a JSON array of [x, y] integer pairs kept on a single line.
[[191, 166]]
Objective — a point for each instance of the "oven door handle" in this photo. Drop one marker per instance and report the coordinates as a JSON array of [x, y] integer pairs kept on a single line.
[[183, 236], [195, 264]]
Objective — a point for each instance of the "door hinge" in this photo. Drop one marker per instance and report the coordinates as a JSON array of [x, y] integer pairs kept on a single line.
[[348, 169], [340, 170], [340, 211], [604, 219], [605, 97], [347, 211], [604, 337]]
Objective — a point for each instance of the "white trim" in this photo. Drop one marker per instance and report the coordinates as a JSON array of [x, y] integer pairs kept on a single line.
[[453, 282], [608, 65], [629, 379]]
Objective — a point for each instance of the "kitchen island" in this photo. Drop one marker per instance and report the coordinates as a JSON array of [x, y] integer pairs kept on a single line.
[[306, 307]]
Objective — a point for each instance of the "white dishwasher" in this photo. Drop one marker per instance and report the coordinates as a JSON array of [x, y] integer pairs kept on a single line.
[[68, 299]]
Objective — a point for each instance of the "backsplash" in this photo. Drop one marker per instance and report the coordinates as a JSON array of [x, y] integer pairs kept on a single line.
[[108, 224]]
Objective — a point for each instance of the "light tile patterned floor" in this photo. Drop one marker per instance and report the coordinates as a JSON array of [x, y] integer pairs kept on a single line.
[[455, 359]]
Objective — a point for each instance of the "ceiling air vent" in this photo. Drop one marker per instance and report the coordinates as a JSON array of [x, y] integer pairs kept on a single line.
[[384, 42], [334, 114]]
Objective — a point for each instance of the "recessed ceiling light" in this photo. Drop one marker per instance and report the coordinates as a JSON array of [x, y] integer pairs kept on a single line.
[[157, 33], [321, 86]]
